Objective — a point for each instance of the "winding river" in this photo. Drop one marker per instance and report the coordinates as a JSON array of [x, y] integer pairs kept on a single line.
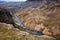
[[20, 24]]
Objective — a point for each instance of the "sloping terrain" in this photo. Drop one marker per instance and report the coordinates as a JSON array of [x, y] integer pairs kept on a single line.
[[37, 17], [8, 32], [41, 16]]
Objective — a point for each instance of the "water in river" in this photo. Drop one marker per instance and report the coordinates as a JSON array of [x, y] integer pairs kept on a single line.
[[19, 22]]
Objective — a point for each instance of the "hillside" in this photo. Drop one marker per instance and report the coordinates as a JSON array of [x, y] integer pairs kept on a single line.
[[34, 20], [41, 16], [7, 32]]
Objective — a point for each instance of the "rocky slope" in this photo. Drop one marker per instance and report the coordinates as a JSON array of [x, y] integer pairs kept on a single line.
[[35, 17], [8, 31], [5, 16], [41, 16]]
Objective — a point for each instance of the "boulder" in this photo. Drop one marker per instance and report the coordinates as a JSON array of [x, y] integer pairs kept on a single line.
[[46, 31]]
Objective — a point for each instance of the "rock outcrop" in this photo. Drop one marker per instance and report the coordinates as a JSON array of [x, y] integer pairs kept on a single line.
[[5, 16]]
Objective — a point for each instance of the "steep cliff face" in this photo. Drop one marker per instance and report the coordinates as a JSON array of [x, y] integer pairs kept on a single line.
[[41, 16]]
